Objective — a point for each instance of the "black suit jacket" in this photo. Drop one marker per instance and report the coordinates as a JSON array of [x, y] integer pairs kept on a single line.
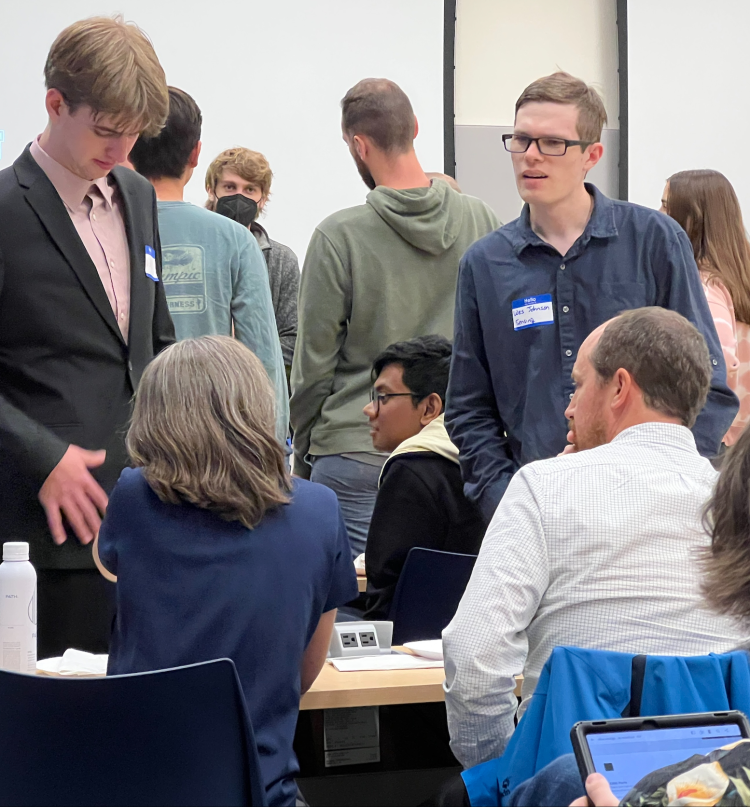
[[66, 374]]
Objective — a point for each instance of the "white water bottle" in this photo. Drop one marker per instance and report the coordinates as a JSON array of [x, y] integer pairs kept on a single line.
[[17, 609]]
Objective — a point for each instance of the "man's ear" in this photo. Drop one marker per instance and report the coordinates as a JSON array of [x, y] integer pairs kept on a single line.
[[624, 387], [361, 146], [593, 156], [54, 102], [416, 127], [433, 407], [194, 155]]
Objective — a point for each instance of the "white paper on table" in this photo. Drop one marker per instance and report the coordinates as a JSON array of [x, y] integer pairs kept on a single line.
[[359, 565], [74, 662], [395, 661], [427, 648]]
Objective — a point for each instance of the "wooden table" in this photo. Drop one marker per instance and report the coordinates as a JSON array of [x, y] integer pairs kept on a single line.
[[335, 690]]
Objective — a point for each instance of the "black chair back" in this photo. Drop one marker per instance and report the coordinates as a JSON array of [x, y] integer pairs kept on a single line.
[[179, 736], [428, 593]]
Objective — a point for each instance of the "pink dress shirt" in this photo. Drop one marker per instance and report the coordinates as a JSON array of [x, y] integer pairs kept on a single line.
[[96, 211], [735, 344]]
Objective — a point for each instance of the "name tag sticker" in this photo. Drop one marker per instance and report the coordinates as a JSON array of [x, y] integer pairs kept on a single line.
[[151, 264], [528, 312]]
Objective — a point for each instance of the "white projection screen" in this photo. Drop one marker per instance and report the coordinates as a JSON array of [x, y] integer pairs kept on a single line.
[[267, 75], [688, 107]]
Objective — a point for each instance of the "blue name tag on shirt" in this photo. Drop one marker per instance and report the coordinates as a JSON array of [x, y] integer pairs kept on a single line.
[[151, 264], [529, 312]]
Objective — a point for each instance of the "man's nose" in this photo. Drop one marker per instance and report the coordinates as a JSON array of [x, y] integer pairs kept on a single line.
[[369, 410], [119, 148], [533, 153]]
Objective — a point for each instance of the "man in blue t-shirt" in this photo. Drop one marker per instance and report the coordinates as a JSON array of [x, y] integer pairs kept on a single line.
[[214, 273]]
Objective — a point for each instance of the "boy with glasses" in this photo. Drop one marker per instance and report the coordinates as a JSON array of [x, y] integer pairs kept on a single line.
[[420, 499], [529, 293]]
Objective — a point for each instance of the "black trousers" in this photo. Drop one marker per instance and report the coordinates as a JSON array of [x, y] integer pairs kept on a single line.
[[75, 608]]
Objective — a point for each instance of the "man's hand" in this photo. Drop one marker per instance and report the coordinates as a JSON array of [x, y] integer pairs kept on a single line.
[[70, 490], [600, 793]]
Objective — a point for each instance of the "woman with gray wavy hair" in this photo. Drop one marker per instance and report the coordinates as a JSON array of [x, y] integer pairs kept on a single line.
[[216, 551]]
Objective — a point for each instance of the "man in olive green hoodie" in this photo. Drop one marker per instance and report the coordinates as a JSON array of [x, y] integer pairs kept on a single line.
[[374, 274]]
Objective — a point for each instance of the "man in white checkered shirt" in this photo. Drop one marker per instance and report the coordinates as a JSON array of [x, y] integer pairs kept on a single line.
[[597, 548]]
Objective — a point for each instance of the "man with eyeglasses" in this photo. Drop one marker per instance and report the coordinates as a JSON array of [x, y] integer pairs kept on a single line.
[[420, 499], [530, 292]]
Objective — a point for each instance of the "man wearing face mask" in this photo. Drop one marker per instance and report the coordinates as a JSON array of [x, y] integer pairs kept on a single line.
[[214, 274], [238, 183], [375, 274]]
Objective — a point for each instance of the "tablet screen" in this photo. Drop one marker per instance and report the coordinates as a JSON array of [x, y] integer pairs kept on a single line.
[[625, 757]]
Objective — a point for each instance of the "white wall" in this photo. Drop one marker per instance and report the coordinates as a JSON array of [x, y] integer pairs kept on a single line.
[[267, 75], [688, 74], [503, 45]]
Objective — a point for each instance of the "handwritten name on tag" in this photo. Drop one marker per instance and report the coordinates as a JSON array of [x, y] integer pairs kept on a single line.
[[151, 264], [528, 312]]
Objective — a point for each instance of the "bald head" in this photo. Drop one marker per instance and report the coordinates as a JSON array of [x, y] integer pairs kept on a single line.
[[380, 110]]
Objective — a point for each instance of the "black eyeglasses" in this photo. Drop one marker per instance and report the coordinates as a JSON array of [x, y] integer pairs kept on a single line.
[[378, 398], [549, 146]]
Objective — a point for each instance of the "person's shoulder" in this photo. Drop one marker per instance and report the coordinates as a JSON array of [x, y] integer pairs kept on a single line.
[[497, 245], [283, 253], [477, 207], [644, 219], [133, 182], [206, 225], [312, 495], [132, 484], [346, 219]]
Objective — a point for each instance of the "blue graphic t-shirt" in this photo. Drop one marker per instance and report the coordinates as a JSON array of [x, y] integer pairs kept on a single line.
[[215, 276]]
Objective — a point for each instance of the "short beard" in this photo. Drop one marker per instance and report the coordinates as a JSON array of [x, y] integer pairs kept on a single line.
[[595, 436], [364, 172]]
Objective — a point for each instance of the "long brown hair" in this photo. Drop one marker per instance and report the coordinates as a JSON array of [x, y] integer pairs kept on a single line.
[[726, 564], [705, 205], [203, 430]]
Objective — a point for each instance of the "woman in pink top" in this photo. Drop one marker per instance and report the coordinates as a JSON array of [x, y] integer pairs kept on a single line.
[[706, 207]]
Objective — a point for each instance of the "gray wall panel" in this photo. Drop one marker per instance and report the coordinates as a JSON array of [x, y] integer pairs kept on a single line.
[[483, 167]]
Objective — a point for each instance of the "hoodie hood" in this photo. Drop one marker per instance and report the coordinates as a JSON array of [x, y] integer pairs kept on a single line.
[[429, 219], [433, 437]]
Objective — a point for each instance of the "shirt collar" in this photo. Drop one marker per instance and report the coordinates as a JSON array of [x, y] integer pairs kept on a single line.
[[261, 236], [71, 188], [600, 225], [670, 434]]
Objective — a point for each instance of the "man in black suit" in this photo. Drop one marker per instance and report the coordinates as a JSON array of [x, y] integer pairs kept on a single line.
[[82, 311]]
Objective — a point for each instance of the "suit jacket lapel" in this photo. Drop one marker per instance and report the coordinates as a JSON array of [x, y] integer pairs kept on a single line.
[[53, 214], [140, 285]]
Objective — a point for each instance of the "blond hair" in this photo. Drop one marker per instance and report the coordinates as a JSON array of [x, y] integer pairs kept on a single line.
[[562, 88], [203, 430], [110, 66], [252, 166]]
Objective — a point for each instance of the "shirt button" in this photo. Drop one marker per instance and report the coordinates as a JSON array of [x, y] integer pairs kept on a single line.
[[112, 264], [122, 316], [715, 363], [565, 309], [570, 395], [568, 352], [93, 216], [562, 266]]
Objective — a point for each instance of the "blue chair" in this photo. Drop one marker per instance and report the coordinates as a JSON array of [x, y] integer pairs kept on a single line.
[[428, 592], [179, 736]]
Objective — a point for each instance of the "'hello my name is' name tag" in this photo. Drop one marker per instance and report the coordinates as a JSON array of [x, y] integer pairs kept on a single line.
[[151, 264], [529, 312]]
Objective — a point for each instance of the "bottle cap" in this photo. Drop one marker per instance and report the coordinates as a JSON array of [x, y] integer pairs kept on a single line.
[[16, 550]]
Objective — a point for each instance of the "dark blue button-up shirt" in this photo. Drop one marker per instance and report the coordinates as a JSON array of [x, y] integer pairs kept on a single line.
[[509, 388]]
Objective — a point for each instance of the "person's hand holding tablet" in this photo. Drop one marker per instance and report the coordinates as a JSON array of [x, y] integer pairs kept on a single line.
[[599, 793]]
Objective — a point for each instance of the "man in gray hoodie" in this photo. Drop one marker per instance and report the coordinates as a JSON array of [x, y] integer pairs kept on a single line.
[[374, 274]]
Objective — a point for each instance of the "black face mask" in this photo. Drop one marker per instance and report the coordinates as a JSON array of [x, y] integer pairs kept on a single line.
[[238, 208]]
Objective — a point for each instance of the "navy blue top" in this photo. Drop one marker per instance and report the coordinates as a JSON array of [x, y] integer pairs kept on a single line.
[[192, 587], [509, 389]]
